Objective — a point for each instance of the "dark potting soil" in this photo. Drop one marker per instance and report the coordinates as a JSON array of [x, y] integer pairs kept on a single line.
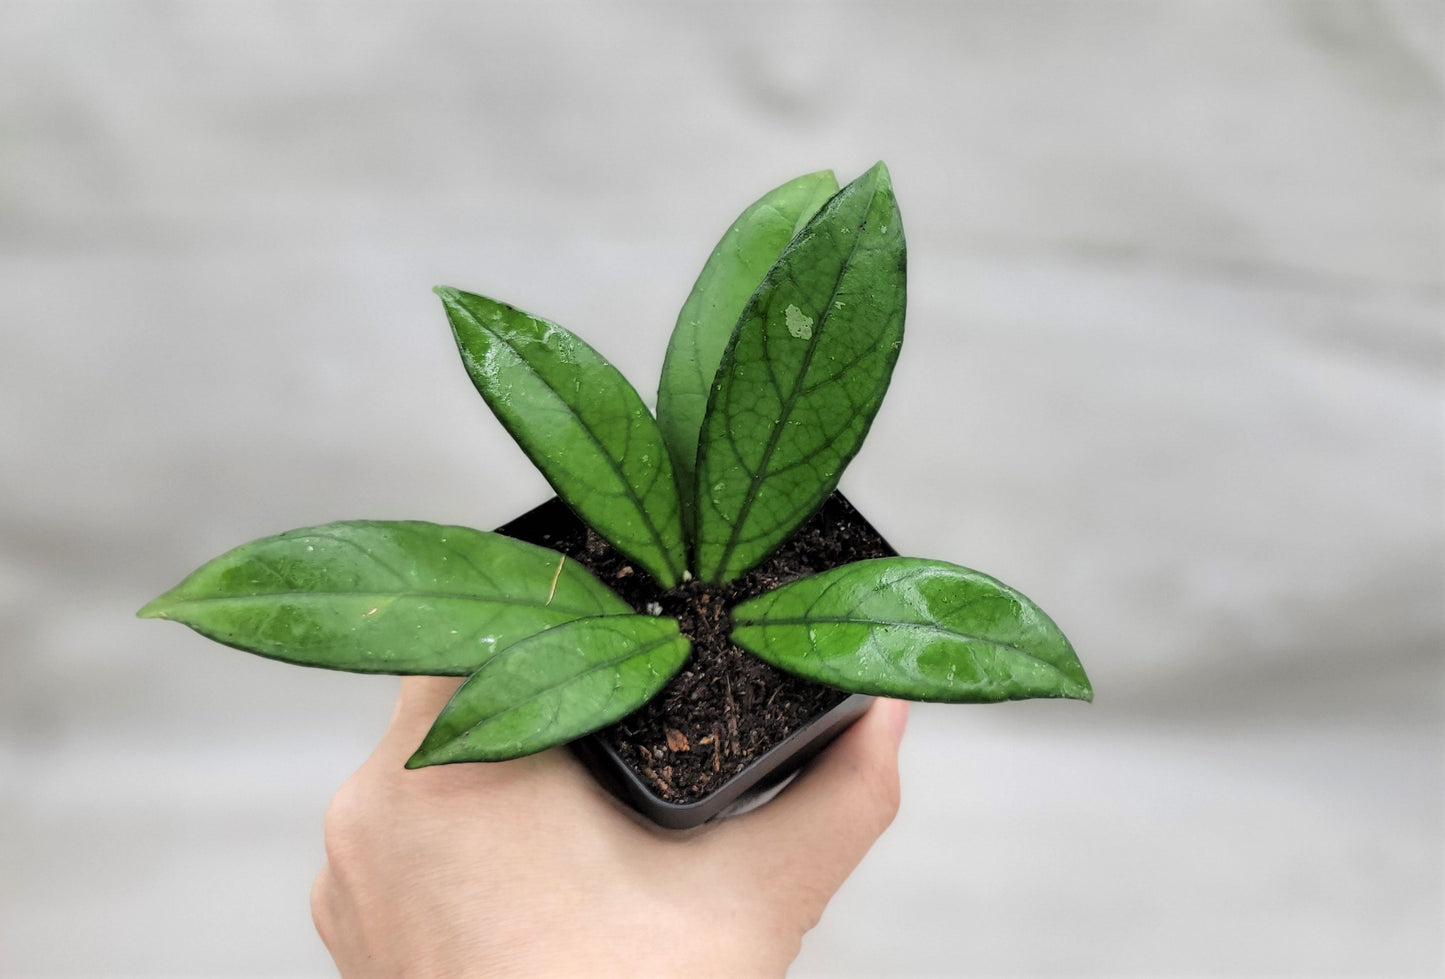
[[725, 707]]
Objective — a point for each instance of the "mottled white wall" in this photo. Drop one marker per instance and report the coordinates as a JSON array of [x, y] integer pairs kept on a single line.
[[1173, 369]]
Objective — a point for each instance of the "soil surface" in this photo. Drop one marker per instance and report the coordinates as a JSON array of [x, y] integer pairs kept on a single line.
[[725, 707]]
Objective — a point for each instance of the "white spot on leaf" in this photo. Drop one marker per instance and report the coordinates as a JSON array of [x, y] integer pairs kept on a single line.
[[800, 324]]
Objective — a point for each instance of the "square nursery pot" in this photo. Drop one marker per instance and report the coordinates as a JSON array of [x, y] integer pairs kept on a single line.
[[815, 715]]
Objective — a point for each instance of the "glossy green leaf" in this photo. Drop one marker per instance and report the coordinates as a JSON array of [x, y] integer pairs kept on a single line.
[[732, 273], [580, 422], [554, 687], [384, 597], [914, 629], [801, 378]]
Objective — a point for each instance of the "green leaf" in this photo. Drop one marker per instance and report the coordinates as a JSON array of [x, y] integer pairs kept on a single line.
[[801, 379], [915, 629], [732, 273], [580, 422], [384, 597], [554, 687]]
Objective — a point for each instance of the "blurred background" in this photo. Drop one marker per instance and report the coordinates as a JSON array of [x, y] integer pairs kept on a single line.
[[1173, 369]]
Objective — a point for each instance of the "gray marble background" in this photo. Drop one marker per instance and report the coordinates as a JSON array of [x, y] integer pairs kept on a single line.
[[1173, 369]]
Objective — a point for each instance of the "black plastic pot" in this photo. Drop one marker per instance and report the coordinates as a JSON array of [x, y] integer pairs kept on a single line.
[[749, 788], [552, 524]]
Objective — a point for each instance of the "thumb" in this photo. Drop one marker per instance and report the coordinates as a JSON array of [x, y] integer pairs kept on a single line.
[[421, 698], [419, 701], [814, 834]]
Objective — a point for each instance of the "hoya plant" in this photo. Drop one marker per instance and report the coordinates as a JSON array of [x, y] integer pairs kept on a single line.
[[778, 363]]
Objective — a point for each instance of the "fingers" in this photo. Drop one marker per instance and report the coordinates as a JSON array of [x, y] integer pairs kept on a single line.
[[814, 834]]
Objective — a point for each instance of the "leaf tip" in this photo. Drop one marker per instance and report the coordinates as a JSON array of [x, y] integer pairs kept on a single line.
[[447, 293], [156, 608], [432, 750]]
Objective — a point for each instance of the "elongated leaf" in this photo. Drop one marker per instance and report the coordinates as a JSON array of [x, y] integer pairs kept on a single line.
[[384, 597], [733, 271], [553, 687], [801, 379], [916, 629], [582, 424]]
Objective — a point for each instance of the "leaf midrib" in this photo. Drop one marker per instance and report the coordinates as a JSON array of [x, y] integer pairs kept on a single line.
[[612, 463], [774, 437], [377, 595], [640, 651], [904, 624]]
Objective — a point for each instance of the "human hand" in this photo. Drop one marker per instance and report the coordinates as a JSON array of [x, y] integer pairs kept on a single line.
[[527, 867]]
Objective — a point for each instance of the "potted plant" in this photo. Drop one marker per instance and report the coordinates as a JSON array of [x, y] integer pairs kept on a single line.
[[698, 593]]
